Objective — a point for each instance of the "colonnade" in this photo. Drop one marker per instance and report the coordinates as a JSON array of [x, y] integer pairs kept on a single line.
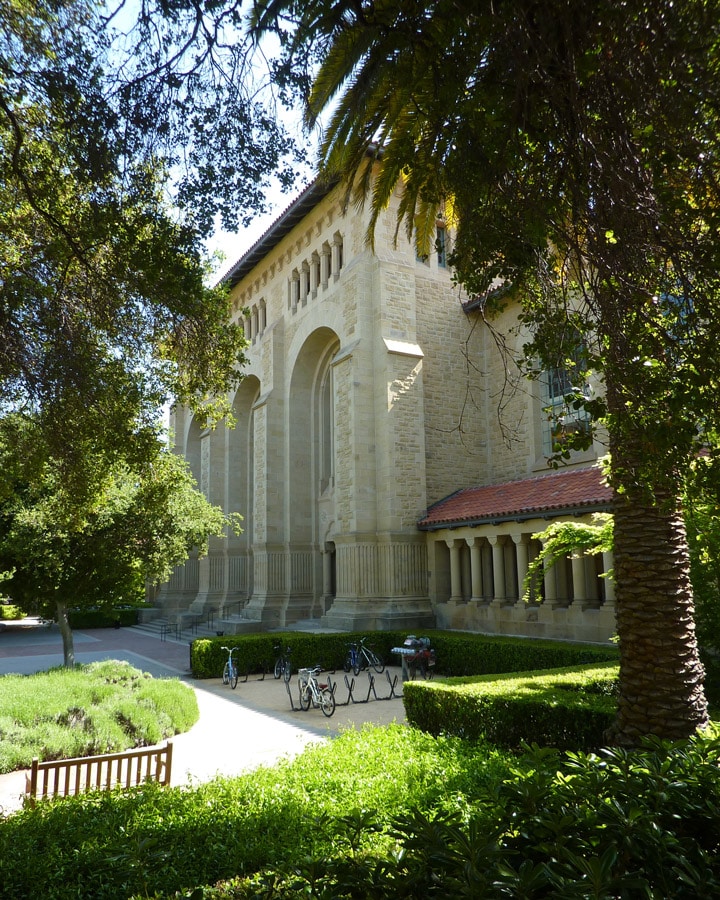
[[478, 581]]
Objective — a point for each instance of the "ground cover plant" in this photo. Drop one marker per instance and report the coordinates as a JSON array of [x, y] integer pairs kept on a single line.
[[103, 707], [391, 813]]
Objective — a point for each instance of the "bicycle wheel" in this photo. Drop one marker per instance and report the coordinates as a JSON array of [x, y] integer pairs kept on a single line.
[[278, 668], [287, 671], [347, 665], [376, 663], [234, 677], [327, 702], [305, 696], [226, 673]]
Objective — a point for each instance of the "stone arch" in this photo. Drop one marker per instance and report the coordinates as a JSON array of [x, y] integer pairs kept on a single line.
[[241, 490], [310, 459]]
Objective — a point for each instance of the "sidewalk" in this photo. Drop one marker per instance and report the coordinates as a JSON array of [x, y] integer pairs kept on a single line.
[[238, 730]]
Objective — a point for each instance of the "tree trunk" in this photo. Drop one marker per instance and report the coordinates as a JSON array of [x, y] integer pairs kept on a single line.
[[67, 635], [661, 676]]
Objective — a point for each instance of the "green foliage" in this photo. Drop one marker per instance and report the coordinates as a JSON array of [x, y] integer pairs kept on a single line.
[[569, 709], [120, 142], [391, 813], [103, 707], [563, 539], [106, 846], [11, 611], [457, 653], [577, 149], [133, 528], [703, 526], [91, 617]]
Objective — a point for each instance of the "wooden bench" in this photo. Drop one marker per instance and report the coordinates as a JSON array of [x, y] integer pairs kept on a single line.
[[65, 777]]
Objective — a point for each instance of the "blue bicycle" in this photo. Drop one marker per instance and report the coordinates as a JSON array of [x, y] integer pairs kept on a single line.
[[230, 672], [361, 657]]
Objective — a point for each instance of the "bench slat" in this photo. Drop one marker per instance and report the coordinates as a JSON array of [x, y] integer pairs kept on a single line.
[[128, 769]]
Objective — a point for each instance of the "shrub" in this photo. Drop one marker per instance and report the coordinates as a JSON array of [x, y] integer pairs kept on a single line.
[[113, 845], [622, 824], [569, 709], [100, 617], [256, 653], [10, 611], [391, 813], [457, 653], [99, 708]]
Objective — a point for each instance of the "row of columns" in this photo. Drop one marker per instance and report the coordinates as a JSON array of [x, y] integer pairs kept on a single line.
[[256, 323], [562, 585], [316, 272]]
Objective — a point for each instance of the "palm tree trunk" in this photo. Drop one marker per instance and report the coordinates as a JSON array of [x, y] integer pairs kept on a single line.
[[661, 676], [67, 635]]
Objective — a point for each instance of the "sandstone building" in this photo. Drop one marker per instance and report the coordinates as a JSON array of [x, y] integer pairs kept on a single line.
[[390, 465]]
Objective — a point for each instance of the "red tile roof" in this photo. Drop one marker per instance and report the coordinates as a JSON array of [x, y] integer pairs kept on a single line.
[[582, 490]]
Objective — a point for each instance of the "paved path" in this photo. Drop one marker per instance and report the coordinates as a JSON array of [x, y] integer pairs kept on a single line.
[[237, 730]]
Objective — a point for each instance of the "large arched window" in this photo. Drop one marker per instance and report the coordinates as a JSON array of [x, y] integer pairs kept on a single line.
[[327, 431]]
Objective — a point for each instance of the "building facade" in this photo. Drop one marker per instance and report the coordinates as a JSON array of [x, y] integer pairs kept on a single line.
[[371, 394]]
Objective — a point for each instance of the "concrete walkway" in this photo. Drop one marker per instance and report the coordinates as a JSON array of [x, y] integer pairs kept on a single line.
[[238, 730]]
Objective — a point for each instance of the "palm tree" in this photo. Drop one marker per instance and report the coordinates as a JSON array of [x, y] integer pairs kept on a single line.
[[579, 148]]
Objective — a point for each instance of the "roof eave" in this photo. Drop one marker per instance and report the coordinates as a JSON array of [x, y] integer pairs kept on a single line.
[[517, 517], [282, 226]]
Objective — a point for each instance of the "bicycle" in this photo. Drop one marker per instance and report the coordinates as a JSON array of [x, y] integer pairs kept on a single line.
[[311, 691], [283, 666], [230, 672], [361, 657]]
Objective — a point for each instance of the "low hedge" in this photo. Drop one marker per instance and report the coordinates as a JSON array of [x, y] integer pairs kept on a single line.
[[458, 653], [256, 652], [569, 709], [103, 618]]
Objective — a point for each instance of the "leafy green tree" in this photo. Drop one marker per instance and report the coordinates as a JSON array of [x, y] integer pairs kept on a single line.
[[122, 138], [579, 148], [135, 527]]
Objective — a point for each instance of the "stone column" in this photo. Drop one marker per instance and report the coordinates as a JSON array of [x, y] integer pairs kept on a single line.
[[455, 575], [314, 274], [325, 265], [336, 251], [608, 562], [578, 578], [304, 282], [498, 561], [521, 562], [475, 570], [550, 585]]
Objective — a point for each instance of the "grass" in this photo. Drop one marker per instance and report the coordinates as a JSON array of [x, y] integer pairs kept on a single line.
[[103, 707], [387, 813], [111, 845]]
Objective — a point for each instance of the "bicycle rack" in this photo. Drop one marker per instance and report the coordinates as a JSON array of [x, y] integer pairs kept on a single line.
[[372, 693]]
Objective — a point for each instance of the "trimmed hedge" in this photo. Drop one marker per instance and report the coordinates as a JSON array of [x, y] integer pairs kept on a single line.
[[569, 709], [256, 653], [458, 653], [103, 618], [461, 654]]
